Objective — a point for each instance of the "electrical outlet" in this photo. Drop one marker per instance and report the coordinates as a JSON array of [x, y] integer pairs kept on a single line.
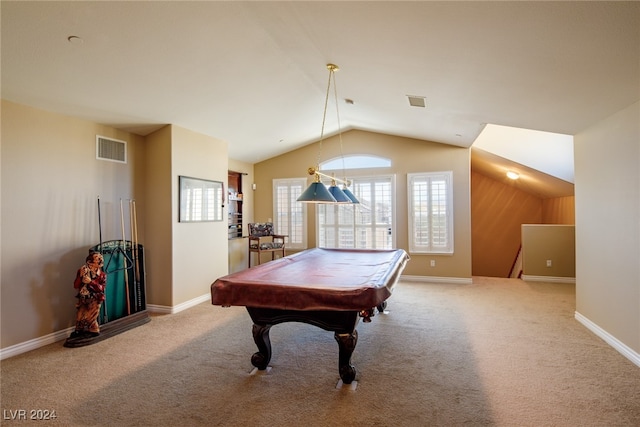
[[548, 263], [433, 263]]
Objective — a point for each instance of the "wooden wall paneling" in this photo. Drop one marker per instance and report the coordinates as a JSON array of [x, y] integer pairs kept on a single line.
[[497, 212]]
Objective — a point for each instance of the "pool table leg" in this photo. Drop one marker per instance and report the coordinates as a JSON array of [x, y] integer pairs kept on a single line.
[[341, 323], [382, 307], [261, 358], [346, 345]]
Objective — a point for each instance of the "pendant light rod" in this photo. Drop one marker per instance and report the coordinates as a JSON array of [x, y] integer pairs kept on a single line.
[[314, 171]]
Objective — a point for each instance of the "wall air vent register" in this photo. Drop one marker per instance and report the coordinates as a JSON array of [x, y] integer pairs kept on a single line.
[[110, 149]]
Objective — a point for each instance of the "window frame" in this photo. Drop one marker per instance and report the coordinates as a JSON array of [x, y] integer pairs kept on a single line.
[[291, 241], [355, 161], [430, 247], [391, 179]]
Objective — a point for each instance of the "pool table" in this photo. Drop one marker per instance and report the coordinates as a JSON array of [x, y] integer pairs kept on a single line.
[[328, 288]]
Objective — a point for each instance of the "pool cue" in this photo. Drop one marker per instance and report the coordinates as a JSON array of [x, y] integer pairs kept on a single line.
[[137, 260], [124, 251], [99, 225], [134, 255], [104, 303]]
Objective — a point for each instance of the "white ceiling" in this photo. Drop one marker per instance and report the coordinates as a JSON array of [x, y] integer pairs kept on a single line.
[[254, 73]]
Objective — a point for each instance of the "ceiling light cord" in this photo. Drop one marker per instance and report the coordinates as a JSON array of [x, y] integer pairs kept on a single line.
[[335, 95], [331, 68], [317, 192]]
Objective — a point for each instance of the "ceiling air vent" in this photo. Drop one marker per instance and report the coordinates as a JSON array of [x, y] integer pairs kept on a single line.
[[111, 149], [416, 101]]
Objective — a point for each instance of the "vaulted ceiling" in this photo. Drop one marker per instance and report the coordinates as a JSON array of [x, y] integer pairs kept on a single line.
[[254, 73]]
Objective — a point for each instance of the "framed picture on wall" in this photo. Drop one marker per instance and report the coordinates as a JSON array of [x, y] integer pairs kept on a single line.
[[201, 200]]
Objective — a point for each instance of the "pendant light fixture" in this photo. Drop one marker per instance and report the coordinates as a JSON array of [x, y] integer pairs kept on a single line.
[[317, 192]]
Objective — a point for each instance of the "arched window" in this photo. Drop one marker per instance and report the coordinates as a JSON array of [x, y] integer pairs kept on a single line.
[[355, 161]]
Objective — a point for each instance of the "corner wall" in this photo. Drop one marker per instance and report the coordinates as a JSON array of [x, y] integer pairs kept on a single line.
[[157, 197], [202, 246], [608, 225], [497, 213], [51, 181], [543, 243]]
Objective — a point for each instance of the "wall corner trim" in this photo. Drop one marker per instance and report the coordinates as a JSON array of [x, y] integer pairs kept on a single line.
[[165, 309], [619, 346]]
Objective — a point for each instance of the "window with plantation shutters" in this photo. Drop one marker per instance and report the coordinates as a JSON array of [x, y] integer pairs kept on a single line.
[[289, 215], [367, 225], [430, 212]]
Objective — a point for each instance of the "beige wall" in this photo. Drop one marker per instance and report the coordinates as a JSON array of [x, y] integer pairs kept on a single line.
[[555, 243], [51, 180], [157, 198], [607, 173], [407, 156], [200, 248], [50, 184]]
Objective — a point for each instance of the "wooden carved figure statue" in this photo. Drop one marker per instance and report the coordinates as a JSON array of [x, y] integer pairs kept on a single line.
[[90, 282]]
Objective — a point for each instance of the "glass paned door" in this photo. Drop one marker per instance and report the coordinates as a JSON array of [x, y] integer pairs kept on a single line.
[[367, 225]]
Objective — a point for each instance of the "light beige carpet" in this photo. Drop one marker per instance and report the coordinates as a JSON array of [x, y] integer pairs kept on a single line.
[[496, 352]]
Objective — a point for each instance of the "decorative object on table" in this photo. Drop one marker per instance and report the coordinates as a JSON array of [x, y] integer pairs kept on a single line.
[[262, 239], [317, 192]]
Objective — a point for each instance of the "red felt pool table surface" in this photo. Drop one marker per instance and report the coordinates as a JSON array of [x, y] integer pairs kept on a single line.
[[315, 279]]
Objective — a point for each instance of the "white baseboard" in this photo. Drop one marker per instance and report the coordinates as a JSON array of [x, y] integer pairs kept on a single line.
[[609, 339], [35, 343], [164, 309], [435, 279], [549, 279]]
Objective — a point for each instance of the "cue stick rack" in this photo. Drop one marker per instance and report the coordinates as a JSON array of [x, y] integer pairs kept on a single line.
[[125, 305]]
